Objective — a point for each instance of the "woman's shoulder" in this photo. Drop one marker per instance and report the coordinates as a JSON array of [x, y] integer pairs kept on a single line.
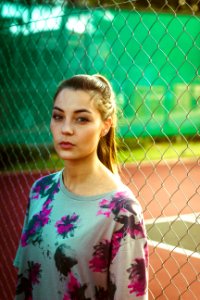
[[115, 183], [124, 193], [46, 181], [124, 198]]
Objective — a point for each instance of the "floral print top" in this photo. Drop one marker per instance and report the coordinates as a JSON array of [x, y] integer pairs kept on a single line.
[[81, 247]]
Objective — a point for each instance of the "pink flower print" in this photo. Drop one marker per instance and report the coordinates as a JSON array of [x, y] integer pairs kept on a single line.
[[47, 202], [73, 283], [137, 277], [24, 239], [47, 187], [105, 208], [120, 194], [38, 221], [100, 260], [36, 192], [104, 203], [27, 279], [43, 216], [67, 225], [136, 230], [34, 272], [104, 213], [116, 239], [75, 290], [115, 206], [146, 251]]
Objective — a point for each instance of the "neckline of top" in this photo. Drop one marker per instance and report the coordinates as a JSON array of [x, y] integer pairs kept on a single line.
[[85, 197]]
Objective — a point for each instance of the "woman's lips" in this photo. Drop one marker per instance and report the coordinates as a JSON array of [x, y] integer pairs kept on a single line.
[[66, 145]]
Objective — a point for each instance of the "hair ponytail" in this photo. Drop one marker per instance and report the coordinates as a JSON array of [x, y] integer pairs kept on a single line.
[[106, 150]]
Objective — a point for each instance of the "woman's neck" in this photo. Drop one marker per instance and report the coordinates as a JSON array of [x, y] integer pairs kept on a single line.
[[79, 173], [88, 177]]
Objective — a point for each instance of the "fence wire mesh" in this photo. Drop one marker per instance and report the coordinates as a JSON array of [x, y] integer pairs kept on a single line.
[[149, 50]]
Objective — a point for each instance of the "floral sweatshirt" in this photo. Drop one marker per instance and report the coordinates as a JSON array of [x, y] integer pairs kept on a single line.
[[81, 247]]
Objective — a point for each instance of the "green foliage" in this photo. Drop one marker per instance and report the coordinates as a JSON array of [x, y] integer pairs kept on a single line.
[[14, 156], [148, 150], [131, 150]]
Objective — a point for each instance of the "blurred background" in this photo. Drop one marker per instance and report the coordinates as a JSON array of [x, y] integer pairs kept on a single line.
[[149, 50]]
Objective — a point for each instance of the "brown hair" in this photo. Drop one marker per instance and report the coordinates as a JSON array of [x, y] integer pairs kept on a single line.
[[103, 97]]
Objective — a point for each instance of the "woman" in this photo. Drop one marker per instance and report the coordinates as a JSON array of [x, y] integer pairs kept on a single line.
[[83, 236]]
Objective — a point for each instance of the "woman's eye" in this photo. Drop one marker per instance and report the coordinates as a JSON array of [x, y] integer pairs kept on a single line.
[[57, 117], [82, 120]]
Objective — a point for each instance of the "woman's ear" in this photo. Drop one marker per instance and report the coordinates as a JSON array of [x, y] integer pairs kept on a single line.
[[106, 126]]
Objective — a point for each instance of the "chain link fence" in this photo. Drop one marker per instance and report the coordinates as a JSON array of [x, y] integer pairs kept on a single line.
[[149, 50]]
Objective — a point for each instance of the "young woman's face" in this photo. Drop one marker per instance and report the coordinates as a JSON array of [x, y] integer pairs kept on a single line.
[[76, 125]]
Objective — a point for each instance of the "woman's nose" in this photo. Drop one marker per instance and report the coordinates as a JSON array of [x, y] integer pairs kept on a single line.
[[67, 128]]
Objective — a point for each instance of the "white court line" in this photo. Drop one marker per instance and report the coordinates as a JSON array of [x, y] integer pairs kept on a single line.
[[174, 249], [191, 218]]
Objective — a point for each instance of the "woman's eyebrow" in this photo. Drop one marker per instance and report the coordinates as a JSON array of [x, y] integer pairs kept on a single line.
[[82, 110], [58, 108], [77, 111]]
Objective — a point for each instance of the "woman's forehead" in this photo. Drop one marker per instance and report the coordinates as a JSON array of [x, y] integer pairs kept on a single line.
[[74, 99]]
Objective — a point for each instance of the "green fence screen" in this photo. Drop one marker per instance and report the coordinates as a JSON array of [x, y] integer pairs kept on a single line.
[[152, 63]]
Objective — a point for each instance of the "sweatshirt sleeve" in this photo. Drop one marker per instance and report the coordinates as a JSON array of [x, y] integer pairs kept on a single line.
[[129, 267], [18, 257]]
